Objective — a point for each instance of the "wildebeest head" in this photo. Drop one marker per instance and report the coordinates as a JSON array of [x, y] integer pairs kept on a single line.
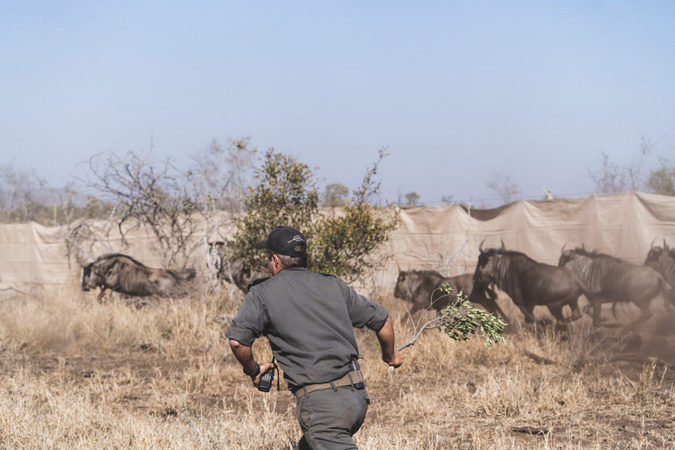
[[90, 277], [403, 289], [102, 271], [656, 253], [417, 286], [485, 268], [574, 253], [577, 255]]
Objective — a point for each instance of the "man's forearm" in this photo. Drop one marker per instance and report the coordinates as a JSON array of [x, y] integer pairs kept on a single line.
[[244, 355], [386, 338]]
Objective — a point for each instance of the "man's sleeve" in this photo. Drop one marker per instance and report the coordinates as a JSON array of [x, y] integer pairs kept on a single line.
[[364, 312], [250, 321]]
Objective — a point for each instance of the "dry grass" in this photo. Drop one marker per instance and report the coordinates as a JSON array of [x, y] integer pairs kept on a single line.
[[75, 373]]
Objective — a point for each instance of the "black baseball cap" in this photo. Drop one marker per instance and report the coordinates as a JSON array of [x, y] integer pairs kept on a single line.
[[285, 241]]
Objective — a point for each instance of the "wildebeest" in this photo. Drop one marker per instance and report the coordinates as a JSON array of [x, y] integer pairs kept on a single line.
[[227, 268], [422, 288], [662, 259], [122, 273], [614, 279], [530, 283]]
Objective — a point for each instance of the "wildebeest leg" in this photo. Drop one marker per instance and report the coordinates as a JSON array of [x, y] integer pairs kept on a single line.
[[646, 314], [596, 304], [576, 311], [528, 312], [493, 308], [556, 311], [101, 294]]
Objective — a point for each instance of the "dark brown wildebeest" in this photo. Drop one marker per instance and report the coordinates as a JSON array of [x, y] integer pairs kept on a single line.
[[227, 268], [614, 280], [662, 259], [123, 274], [422, 288], [530, 283]]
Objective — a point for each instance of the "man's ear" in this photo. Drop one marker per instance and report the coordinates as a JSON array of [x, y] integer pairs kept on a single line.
[[275, 260]]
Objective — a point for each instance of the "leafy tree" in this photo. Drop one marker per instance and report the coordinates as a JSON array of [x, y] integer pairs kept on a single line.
[[344, 243], [412, 198], [662, 180], [335, 195], [286, 194]]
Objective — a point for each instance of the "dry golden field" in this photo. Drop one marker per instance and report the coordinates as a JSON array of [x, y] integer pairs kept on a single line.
[[78, 374]]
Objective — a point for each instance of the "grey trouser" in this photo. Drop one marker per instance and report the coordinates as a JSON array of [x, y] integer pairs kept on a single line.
[[329, 418]]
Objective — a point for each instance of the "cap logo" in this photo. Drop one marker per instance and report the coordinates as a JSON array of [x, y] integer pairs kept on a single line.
[[296, 238]]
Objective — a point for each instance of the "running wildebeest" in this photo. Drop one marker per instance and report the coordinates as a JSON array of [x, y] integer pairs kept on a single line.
[[123, 274], [530, 283], [662, 259], [226, 268], [614, 280], [422, 288]]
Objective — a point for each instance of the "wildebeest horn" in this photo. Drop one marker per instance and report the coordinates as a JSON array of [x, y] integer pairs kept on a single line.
[[652, 244], [562, 250], [665, 246], [503, 246]]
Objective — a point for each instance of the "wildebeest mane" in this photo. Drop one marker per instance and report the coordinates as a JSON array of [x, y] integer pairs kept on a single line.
[[597, 254], [594, 267], [426, 272], [506, 271], [115, 255]]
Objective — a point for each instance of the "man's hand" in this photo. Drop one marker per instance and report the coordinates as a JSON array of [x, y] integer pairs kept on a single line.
[[397, 359], [263, 368]]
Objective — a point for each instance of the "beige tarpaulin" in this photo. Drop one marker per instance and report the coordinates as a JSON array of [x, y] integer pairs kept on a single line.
[[443, 238]]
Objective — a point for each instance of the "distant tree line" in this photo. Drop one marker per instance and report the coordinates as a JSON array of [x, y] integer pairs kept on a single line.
[[185, 211], [219, 176], [634, 176]]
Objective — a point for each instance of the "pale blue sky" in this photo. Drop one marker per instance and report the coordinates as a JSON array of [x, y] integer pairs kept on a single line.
[[455, 89]]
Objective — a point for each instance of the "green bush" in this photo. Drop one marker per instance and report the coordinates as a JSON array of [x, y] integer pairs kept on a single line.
[[286, 194]]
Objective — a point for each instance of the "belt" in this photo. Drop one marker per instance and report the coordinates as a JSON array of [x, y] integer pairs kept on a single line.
[[349, 379]]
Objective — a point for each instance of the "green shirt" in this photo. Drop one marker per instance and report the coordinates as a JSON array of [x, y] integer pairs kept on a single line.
[[309, 319]]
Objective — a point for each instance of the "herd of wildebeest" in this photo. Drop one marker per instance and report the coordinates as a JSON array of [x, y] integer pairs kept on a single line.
[[601, 278]]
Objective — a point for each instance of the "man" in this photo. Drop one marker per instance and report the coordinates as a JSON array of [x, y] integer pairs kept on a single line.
[[309, 320]]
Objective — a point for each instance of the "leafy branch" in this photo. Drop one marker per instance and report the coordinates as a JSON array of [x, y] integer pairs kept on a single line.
[[460, 320]]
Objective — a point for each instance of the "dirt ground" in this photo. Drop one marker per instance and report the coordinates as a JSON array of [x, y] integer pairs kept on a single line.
[[609, 387]]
